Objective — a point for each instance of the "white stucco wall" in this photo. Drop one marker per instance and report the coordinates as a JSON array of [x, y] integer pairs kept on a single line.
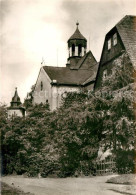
[[57, 92], [15, 112], [50, 92], [41, 96]]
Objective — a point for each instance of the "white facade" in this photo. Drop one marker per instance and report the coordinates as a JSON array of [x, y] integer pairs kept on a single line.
[[50, 93], [44, 95], [15, 112]]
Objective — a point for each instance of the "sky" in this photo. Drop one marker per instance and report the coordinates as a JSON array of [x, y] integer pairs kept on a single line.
[[33, 31]]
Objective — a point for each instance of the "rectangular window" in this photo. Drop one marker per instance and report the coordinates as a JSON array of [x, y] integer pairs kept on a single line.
[[109, 44], [115, 39], [104, 74]]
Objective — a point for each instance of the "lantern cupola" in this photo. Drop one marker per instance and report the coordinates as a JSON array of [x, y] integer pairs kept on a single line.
[[77, 45]]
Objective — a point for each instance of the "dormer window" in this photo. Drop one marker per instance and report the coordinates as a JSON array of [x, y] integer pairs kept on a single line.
[[109, 44], [104, 74], [41, 85], [115, 39]]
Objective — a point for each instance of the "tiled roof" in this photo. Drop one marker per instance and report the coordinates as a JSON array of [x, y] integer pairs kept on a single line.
[[86, 62], [127, 30], [66, 76], [80, 74], [77, 35]]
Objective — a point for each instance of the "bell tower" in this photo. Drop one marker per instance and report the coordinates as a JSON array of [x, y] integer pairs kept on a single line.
[[16, 108], [77, 45]]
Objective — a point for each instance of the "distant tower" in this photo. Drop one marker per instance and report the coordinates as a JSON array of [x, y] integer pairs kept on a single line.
[[77, 45], [16, 108]]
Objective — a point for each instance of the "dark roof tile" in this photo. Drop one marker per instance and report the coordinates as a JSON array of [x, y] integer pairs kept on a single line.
[[66, 76], [127, 30], [77, 35]]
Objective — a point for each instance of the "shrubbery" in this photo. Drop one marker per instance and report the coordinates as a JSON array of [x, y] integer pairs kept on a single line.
[[65, 142]]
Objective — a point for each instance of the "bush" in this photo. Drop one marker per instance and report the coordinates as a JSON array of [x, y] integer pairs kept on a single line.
[[125, 161]]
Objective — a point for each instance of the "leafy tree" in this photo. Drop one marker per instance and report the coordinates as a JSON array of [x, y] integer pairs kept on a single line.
[[77, 133], [28, 102], [66, 141], [119, 120]]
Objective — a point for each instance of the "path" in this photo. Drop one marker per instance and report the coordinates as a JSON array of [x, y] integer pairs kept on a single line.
[[67, 186]]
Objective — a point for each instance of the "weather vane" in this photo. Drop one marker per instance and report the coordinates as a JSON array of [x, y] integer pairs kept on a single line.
[[43, 62]]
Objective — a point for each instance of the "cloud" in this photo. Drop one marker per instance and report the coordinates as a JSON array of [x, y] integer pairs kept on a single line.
[[97, 17], [32, 29], [29, 32]]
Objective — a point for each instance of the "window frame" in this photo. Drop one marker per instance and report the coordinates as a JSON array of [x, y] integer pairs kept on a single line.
[[41, 86], [115, 41], [109, 44]]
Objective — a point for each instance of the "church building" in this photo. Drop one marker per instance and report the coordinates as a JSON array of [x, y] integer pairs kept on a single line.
[[78, 74]]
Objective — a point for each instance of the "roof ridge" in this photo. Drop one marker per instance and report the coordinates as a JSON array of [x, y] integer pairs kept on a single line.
[[85, 58], [55, 66], [120, 21], [126, 16]]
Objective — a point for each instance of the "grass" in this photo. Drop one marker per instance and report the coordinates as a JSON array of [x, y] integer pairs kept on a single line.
[[7, 190]]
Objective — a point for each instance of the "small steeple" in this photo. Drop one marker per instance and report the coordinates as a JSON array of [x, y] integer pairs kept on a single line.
[[16, 99], [77, 45]]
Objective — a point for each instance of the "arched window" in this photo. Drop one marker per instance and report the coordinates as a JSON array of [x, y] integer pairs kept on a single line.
[[79, 50], [41, 85], [73, 49]]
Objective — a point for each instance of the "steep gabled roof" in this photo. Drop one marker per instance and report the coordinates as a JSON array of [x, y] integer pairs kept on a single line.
[[66, 76], [126, 28], [127, 31], [86, 62]]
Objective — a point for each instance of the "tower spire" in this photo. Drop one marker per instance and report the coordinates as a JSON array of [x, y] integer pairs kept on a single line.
[[16, 99]]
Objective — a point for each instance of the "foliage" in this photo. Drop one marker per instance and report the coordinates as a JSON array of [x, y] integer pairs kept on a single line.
[[29, 99], [65, 142], [127, 164], [122, 74], [119, 129], [22, 143]]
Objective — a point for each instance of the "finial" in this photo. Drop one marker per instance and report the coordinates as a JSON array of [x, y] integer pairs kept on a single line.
[[16, 88], [77, 24]]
